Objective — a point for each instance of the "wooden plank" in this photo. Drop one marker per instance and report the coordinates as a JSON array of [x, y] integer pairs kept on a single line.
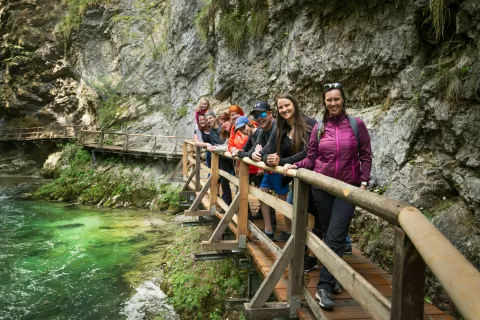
[[274, 202], [227, 217], [197, 169], [198, 213], [276, 271], [200, 196], [271, 310], [299, 223], [185, 159], [215, 177], [218, 246], [369, 298], [408, 279], [264, 239], [242, 223], [229, 177]]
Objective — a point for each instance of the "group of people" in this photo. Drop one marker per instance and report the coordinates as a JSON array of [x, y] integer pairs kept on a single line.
[[337, 145]]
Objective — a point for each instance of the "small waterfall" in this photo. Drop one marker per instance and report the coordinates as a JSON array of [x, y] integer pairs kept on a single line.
[[149, 299]]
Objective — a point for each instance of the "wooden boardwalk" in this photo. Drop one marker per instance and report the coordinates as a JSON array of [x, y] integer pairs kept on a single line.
[[138, 145], [345, 306]]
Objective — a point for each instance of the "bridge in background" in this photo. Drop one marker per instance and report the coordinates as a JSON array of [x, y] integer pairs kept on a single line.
[[369, 292], [138, 145]]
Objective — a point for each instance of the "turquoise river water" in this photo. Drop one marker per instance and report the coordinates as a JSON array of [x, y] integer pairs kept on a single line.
[[61, 261]]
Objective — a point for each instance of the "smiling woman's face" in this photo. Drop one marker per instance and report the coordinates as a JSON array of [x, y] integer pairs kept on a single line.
[[334, 102], [285, 108], [202, 121], [226, 125], [211, 120]]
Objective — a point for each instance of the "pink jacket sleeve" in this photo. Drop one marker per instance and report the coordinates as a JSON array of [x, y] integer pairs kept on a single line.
[[312, 152]]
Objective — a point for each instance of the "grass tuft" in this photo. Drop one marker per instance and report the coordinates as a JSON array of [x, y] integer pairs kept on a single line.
[[438, 12]]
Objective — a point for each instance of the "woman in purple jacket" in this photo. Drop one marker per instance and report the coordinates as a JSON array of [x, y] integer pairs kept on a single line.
[[339, 152]]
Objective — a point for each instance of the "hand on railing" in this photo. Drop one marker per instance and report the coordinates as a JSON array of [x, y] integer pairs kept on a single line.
[[288, 166], [234, 152], [256, 156], [273, 160]]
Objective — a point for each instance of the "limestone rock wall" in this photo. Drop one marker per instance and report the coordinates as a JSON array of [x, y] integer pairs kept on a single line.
[[141, 65]]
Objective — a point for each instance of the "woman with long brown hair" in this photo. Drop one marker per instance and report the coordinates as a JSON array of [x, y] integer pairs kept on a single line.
[[286, 145]]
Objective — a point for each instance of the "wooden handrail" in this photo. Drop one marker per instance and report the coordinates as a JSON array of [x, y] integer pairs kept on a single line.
[[457, 275]]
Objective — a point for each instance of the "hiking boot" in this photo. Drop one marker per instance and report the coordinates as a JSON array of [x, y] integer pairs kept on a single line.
[[309, 263], [282, 237], [337, 289], [348, 249], [324, 299]]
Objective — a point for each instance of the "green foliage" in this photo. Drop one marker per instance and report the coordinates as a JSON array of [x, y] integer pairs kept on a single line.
[[182, 111], [111, 105], [258, 24], [239, 19], [197, 290], [75, 11], [233, 27], [170, 196]]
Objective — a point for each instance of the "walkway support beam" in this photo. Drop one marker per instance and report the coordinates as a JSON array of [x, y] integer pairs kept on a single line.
[[408, 280], [457, 275], [299, 223]]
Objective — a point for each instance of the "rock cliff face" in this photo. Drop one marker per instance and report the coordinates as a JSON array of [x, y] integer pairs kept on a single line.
[[411, 73]]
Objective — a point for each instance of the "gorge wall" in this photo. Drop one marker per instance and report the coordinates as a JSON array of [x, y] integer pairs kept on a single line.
[[410, 70]]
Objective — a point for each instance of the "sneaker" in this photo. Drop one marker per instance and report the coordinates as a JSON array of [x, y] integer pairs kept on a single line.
[[270, 236], [309, 263], [337, 289], [283, 237], [324, 299], [220, 210], [348, 249]]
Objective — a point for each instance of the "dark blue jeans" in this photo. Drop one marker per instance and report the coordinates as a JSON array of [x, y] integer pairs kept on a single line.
[[335, 215]]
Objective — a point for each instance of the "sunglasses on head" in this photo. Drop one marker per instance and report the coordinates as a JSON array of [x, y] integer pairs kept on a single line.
[[336, 85], [260, 115]]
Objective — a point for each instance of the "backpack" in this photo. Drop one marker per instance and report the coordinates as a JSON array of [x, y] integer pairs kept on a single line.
[[353, 124]]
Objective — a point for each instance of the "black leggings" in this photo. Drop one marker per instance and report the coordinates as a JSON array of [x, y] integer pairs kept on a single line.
[[335, 215], [227, 166]]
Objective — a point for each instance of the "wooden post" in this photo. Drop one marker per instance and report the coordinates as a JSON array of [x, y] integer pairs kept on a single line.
[[197, 169], [100, 142], [154, 145], [242, 216], [215, 176], [185, 160], [125, 147], [299, 225], [408, 280]]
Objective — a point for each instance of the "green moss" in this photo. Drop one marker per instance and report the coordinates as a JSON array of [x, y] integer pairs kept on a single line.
[[197, 290]]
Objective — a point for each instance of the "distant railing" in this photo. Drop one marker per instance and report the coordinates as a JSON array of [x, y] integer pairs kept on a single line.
[[41, 133], [417, 244], [131, 142]]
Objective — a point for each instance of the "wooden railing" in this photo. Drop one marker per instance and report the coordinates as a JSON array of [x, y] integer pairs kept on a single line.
[[131, 142], [41, 133], [417, 244]]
